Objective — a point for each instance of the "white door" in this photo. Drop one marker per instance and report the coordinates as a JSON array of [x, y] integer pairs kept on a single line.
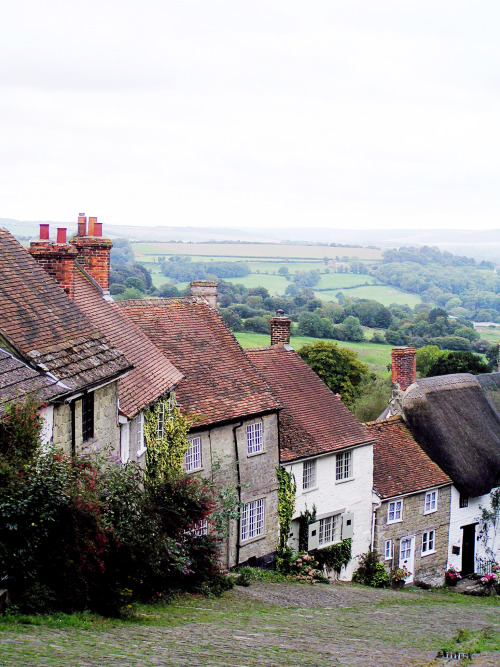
[[407, 556]]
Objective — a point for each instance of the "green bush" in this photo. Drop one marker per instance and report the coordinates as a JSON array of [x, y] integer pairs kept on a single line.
[[371, 572]]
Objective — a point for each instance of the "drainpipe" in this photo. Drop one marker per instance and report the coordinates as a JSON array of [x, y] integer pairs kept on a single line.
[[238, 473], [73, 428]]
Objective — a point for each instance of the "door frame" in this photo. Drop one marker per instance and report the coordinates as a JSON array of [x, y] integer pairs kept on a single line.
[[408, 562]]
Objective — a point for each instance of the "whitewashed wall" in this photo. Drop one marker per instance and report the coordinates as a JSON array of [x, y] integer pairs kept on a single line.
[[331, 497], [462, 516]]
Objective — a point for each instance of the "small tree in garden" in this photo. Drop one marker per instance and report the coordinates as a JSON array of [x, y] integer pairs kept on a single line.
[[286, 505]]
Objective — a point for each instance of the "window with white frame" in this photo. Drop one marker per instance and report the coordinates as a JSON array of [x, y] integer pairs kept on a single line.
[[140, 441], [395, 511], [329, 530], [343, 466], [160, 424], [252, 519], [309, 474], [388, 550], [193, 460], [428, 542], [431, 498], [201, 528], [255, 442]]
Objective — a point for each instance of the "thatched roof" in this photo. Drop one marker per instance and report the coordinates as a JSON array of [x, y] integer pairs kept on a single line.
[[456, 420]]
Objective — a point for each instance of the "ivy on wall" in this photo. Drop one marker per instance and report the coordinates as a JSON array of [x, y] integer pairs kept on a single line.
[[286, 506], [334, 557], [166, 446], [306, 518]]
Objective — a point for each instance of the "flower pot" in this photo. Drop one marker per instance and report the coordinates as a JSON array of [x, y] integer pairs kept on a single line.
[[398, 584]]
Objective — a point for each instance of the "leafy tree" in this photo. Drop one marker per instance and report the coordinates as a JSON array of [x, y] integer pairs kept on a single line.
[[352, 329], [492, 357], [426, 356], [376, 393], [457, 362], [339, 368]]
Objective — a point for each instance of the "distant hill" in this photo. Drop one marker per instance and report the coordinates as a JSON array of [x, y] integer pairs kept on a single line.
[[480, 244]]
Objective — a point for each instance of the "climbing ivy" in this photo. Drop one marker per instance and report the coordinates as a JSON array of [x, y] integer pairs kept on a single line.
[[334, 557], [286, 505], [306, 518], [165, 452]]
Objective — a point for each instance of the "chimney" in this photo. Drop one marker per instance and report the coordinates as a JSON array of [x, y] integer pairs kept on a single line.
[[58, 259], [93, 251], [206, 289], [280, 329], [404, 366]]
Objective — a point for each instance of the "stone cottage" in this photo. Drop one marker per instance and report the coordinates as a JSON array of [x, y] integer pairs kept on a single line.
[[234, 431], [51, 349], [412, 515]]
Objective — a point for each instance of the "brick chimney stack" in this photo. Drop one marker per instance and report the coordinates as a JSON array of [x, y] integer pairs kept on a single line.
[[94, 251], [58, 258], [280, 329], [404, 366], [207, 289]]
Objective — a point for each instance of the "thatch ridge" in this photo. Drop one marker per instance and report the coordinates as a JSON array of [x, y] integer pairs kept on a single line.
[[456, 422]]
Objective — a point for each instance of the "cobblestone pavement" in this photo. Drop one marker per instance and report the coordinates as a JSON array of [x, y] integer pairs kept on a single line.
[[267, 625]]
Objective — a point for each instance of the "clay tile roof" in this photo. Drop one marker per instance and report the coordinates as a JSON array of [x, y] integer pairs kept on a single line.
[[153, 374], [314, 420], [456, 420], [39, 321], [220, 382], [17, 380], [400, 466]]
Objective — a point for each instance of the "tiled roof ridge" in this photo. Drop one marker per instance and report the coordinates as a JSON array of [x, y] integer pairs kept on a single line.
[[386, 421]]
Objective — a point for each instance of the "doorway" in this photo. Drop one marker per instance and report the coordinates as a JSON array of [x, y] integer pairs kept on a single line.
[[407, 556], [468, 549]]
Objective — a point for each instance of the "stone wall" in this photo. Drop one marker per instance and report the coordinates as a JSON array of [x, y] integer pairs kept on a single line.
[[258, 480], [106, 431], [429, 568]]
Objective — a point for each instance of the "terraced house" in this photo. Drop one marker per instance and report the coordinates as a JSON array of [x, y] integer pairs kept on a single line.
[[50, 349], [234, 431], [81, 269], [328, 451]]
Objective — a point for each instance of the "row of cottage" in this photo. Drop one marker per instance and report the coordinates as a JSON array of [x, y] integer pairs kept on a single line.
[[411, 485]]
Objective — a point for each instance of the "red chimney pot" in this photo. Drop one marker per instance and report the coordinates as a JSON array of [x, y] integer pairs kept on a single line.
[[61, 235], [98, 229], [92, 222], [44, 232]]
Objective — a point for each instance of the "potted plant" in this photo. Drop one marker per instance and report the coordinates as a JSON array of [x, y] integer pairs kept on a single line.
[[399, 576], [490, 582], [452, 576]]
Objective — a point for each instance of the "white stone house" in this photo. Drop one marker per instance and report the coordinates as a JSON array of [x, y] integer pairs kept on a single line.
[[328, 451]]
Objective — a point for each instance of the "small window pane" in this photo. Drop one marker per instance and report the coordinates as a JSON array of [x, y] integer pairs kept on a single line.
[[309, 475], [160, 426], [193, 459], [329, 530], [252, 519], [388, 549], [88, 416], [254, 438], [344, 465]]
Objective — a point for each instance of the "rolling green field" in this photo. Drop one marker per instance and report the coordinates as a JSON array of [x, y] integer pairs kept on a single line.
[[377, 357], [491, 334], [386, 294], [259, 250]]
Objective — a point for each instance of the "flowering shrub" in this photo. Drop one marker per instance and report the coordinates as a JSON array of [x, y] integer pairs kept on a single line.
[[489, 579], [399, 574], [452, 575], [303, 568], [371, 572], [495, 567]]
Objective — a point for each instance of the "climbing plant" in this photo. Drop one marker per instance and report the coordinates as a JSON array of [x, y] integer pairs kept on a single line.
[[165, 432], [334, 557], [490, 523], [306, 518], [286, 505]]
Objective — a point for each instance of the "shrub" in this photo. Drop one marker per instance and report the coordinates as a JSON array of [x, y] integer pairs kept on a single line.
[[371, 572]]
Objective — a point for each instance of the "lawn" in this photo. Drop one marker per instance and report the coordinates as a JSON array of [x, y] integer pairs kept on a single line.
[[491, 334], [386, 294], [266, 625], [377, 357]]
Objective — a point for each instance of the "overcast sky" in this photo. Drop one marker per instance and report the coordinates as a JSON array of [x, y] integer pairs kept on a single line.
[[269, 113]]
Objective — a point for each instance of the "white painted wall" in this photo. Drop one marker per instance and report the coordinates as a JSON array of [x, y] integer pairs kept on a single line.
[[462, 516], [47, 415], [331, 497]]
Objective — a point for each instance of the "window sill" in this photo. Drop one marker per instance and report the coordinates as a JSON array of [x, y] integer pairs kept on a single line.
[[140, 452], [427, 553], [314, 488], [342, 481], [430, 512], [262, 451], [243, 543], [394, 521], [188, 472]]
